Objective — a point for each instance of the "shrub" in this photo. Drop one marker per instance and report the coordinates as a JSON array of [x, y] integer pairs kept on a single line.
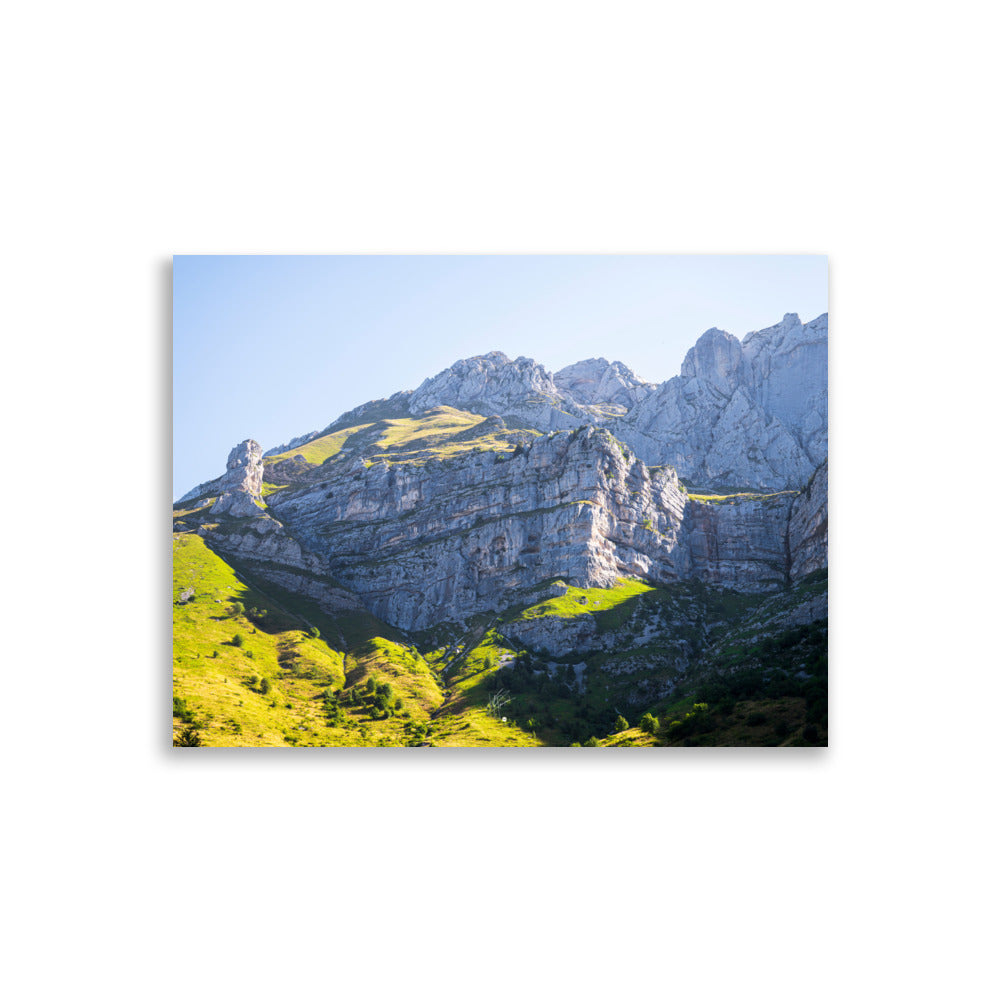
[[253, 679], [314, 632], [238, 640], [621, 724], [181, 711], [265, 685], [649, 724], [592, 742], [189, 738], [397, 704], [371, 685], [237, 608]]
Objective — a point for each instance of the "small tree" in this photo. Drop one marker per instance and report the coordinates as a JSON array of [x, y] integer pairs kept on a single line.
[[314, 632], [265, 685], [371, 685], [188, 738], [237, 608], [238, 640], [649, 724], [621, 724]]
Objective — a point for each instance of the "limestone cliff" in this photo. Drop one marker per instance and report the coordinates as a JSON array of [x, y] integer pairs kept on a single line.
[[749, 415]]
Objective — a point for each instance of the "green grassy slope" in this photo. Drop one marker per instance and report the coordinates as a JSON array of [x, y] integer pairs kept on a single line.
[[255, 665], [250, 670], [440, 433]]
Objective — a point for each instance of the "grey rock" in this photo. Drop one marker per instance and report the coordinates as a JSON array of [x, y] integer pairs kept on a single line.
[[807, 527], [493, 385], [751, 415], [244, 474], [477, 533], [598, 382]]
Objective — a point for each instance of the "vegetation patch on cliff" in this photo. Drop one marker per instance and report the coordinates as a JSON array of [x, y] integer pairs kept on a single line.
[[576, 601]]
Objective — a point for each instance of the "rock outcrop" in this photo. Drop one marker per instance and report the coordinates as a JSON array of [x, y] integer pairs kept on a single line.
[[807, 528], [750, 415], [601, 383], [493, 385], [244, 475]]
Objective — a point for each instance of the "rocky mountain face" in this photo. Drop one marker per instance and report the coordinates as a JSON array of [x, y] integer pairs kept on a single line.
[[600, 383], [419, 544], [741, 415], [493, 385], [749, 415], [470, 524]]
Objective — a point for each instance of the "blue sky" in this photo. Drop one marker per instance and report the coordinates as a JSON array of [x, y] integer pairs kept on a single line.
[[271, 347]]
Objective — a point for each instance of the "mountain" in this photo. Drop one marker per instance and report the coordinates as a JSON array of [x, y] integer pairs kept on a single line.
[[548, 550]]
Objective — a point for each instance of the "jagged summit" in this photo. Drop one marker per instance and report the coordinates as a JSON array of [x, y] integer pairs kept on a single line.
[[743, 414], [493, 385], [748, 414], [597, 382], [716, 358]]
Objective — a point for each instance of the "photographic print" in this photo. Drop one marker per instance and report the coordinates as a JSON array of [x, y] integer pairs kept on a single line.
[[546, 501]]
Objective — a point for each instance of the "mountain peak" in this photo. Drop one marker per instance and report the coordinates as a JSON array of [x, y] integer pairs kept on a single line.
[[716, 358], [598, 381]]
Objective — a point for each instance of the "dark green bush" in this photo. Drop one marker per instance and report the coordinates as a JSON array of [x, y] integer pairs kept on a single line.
[[238, 640], [265, 685], [181, 711], [189, 738], [621, 724]]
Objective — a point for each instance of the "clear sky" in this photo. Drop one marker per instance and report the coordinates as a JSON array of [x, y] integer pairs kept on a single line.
[[272, 347]]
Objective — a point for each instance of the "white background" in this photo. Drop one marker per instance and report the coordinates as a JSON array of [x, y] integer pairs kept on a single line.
[[134, 131]]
